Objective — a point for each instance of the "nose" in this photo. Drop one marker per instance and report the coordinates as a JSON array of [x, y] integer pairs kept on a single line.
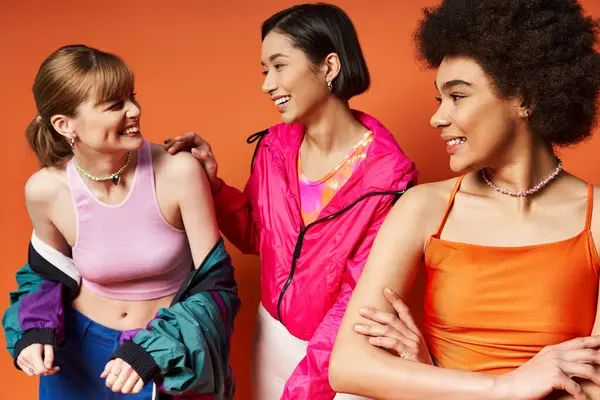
[[440, 119], [269, 84], [133, 109]]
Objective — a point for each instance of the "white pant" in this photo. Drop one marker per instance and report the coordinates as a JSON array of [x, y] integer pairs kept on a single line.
[[275, 355]]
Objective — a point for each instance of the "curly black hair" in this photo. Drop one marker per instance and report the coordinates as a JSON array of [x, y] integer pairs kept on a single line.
[[542, 50]]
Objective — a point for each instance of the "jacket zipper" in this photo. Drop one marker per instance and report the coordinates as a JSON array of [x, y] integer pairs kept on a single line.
[[298, 247]]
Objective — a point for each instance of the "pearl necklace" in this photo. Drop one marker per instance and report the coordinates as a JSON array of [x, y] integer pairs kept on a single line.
[[114, 177], [524, 193]]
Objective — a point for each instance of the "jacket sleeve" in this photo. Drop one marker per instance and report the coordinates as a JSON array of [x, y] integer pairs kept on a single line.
[[235, 214], [186, 346], [235, 217], [310, 378], [36, 313]]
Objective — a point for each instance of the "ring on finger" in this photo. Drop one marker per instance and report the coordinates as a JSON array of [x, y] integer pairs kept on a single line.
[[32, 370], [405, 355]]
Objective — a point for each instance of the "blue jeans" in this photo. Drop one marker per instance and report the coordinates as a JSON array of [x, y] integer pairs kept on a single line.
[[82, 357]]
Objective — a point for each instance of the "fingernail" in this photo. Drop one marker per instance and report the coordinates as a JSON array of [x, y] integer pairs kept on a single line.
[[365, 310], [389, 291], [359, 327]]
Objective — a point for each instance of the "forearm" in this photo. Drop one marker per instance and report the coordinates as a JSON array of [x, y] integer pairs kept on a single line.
[[359, 368], [35, 314]]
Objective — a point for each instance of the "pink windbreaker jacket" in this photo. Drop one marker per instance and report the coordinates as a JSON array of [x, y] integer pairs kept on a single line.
[[309, 272]]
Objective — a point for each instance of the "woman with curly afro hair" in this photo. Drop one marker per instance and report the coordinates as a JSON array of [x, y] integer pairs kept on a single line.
[[510, 247]]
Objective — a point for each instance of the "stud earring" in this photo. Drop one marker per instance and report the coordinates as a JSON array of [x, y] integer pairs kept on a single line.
[[72, 142], [329, 86]]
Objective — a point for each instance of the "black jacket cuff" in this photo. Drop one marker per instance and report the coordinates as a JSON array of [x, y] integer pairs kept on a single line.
[[35, 336], [139, 359]]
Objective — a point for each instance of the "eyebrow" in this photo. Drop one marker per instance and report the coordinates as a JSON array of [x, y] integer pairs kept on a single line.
[[450, 84], [106, 101], [274, 56]]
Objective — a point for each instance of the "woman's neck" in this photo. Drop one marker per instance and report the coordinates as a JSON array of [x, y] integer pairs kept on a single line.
[[332, 127], [103, 164], [527, 163], [524, 166]]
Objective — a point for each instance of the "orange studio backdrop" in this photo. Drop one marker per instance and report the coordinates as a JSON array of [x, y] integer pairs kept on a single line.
[[197, 66]]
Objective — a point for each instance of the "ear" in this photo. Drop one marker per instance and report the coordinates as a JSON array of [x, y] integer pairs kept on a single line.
[[331, 66], [524, 111], [63, 125], [523, 107]]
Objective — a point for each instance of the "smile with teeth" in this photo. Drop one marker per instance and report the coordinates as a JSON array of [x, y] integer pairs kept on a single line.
[[131, 130], [455, 141], [282, 100]]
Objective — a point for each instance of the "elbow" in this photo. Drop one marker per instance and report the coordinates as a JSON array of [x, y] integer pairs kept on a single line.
[[336, 376], [339, 372]]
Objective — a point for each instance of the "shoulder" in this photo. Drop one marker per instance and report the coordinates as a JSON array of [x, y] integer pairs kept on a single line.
[[44, 185], [595, 220], [572, 189], [422, 207], [427, 197], [282, 134], [182, 167], [596, 215], [387, 164]]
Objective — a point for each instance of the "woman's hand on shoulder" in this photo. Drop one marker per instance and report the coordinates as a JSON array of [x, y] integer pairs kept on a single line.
[[201, 150]]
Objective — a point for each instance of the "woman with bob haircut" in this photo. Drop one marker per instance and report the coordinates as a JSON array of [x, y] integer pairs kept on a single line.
[[322, 182]]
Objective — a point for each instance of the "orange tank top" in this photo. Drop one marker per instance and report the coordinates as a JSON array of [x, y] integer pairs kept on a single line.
[[491, 309]]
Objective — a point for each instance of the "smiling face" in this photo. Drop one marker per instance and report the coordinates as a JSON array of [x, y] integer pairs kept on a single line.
[[109, 125], [296, 86], [475, 122], [88, 97]]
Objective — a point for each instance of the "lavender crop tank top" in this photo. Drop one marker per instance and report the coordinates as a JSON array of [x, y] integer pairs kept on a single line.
[[128, 251]]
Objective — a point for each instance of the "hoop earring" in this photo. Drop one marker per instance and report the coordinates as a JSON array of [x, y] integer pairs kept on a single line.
[[72, 142], [329, 85]]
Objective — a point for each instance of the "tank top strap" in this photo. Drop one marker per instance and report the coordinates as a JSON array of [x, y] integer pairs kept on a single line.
[[79, 191], [143, 184], [449, 206], [590, 207], [146, 171]]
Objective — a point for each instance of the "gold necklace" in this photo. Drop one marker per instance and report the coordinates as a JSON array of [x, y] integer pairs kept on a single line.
[[114, 177]]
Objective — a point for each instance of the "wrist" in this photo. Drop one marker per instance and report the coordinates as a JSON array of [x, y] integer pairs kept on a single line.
[[34, 336], [139, 359], [499, 387]]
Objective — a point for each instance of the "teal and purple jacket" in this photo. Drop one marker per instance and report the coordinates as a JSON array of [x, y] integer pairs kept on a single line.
[[184, 350]]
